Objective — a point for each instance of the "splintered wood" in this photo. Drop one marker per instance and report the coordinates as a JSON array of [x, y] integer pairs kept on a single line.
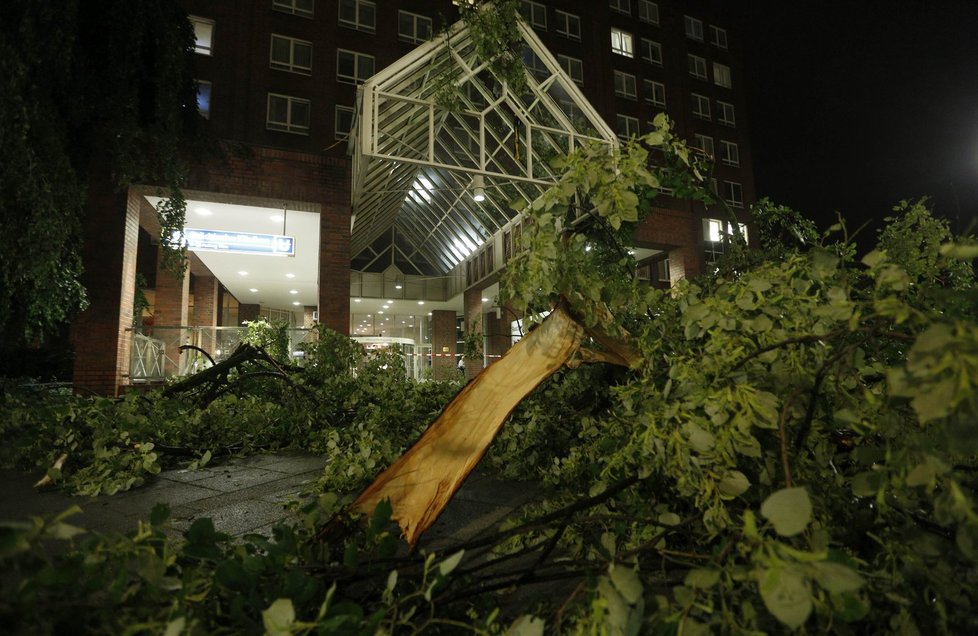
[[423, 480]]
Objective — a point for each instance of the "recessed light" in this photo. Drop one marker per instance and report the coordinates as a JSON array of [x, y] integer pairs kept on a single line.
[[293, 291], [485, 300], [380, 312], [420, 302], [356, 300], [203, 211], [386, 306], [277, 217], [403, 323], [290, 275], [252, 290], [242, 273], [389, 302], [429, 313], [296, 302]]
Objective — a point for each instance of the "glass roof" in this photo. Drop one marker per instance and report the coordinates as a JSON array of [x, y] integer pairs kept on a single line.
[[442, 178]]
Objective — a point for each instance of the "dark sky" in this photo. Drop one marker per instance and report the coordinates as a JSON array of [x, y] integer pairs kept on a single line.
[[856, 105]]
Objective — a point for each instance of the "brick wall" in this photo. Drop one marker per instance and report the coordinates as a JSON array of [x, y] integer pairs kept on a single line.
[[443, 341]]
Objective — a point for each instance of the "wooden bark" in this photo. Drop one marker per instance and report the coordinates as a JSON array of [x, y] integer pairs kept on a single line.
[[423, 480]]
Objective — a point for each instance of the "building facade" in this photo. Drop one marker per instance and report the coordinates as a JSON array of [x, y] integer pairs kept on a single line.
[[278, 85]]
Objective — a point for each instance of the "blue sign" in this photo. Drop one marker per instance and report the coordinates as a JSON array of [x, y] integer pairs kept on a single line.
[[238, 242]]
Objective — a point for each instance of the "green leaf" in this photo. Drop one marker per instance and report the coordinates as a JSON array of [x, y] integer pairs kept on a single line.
[[959, 250], [935, 402], [836, 577], [526, 625], [733, 484], [176, 626], [626, 581], [159, 514], [669, 519], [699, 439], [702, 578], [789, 510], [445, 567], [787, 595], [279, 617], [867, 484]]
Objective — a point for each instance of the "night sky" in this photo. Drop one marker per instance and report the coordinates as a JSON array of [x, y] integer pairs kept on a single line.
[[856, 105]]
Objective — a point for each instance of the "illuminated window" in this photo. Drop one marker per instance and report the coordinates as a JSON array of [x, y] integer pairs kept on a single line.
[[358, 14], [203, 35], [204, 99], [413, 28], [289, 54], [721, 75], [288, 114], [621, 43]]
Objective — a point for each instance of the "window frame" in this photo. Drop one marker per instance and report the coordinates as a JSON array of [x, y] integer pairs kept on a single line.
[[718, 37], [415, 18], [700, 100], [538, 68], [697, 64], [625, 48], [701, 146], [206, 114], [290, 66], [566, 24], [652, 46], [288, 126], [628, 120], [357, 56], [356, 24], [571, 62], [733, 193], [722, 71], [533, 6], [722, 108], [649, 6], [727, 157], [623, 81], [693, 28], [621, 6], [336, 120], [289, 6], [657, 87], [199, 48]]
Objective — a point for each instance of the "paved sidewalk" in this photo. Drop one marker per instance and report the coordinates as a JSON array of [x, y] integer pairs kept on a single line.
[[246, 495]]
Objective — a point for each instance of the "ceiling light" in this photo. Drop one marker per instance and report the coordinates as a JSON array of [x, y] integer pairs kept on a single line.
[[293, 291], [290, 275], [380, 312], [242, 273], [478, 188], [277, 218], [296, 302], [389, 302], [356, 300], [420, 302], [203, 211], [252, 290], [485, 300]]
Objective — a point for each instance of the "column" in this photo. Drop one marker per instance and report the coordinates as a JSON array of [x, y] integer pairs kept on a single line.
[[171, 312], [443, 360], [472, 303], [205, 311], [334, 265], [101, 335]]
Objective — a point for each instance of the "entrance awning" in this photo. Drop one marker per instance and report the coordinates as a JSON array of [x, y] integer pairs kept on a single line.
[[421, 165]]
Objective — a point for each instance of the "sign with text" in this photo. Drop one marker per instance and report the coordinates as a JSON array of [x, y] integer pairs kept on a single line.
[[238, 242]]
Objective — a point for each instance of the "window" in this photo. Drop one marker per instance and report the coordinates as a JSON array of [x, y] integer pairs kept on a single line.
[[358, 14], [648, 11], [625, 85], [353, 67], [661, 269], [654, 93], [413, 28], [651, 51], [704, 143], [721, 75], [621, 6], [697, 66], [298, 7], [288, 114], [534, 63], [289, 54], [733, 193], [342, 122], [573, 67], [534, 13], [204, 98], [701, 106], [729, 153], [569, 25], [203, 35], [718, 37], [626, 126], [726, 114], [621, 43], [716, 231], [694, 28]]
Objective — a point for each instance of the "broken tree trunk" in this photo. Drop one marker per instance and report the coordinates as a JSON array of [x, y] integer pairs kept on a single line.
[[423, 480]]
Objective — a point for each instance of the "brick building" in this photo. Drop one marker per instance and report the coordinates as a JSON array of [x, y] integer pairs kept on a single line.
[[279, 84]]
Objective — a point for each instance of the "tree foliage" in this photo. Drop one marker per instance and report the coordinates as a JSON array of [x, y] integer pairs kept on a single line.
[[93, 91]]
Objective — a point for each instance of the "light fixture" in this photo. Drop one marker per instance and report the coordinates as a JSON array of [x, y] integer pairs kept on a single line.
[[242, 273], [293, 291], [253, 290], [398, 284], [357, 300], [478, 188], [485, 300], [420, 302], [203, 211], [380, 312], [389, 302], [290, 275], [277, 217], [296, 303]]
